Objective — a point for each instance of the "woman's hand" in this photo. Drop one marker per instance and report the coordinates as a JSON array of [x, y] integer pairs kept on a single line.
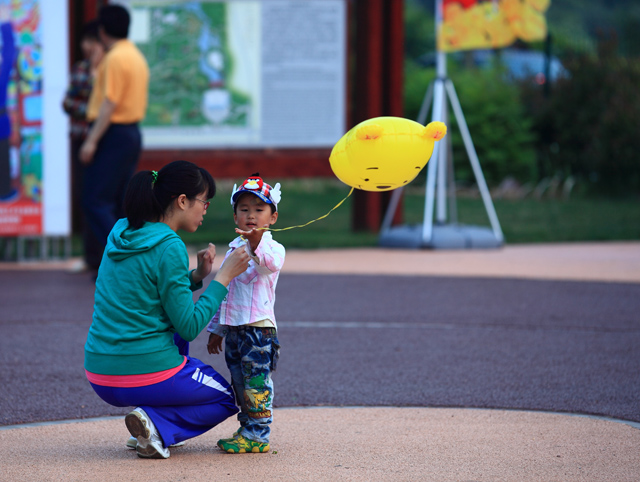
[[205, 263], [236, 263], [214, 346]]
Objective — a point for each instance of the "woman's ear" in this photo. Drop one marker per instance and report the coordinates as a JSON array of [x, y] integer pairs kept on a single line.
[[182, 202]]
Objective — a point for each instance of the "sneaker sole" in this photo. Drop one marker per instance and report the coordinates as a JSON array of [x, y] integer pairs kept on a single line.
[[254, 450], [132, 443], [149, 452], [137, 426]]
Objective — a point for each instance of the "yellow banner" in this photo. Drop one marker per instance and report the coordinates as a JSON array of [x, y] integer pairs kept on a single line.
[[478, 24]]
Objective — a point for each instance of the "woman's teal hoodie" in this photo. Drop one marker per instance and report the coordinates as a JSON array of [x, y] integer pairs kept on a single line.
[[143, 296]]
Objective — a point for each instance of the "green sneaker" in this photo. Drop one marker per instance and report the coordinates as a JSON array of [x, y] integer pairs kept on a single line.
[[235, 435], [241, 445]]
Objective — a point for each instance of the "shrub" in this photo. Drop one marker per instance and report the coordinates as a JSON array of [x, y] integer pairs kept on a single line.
[[588, 126], [496, 118]]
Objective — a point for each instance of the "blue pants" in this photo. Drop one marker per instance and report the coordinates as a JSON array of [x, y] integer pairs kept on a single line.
[[252, 355], [106, 178], [186, 405]]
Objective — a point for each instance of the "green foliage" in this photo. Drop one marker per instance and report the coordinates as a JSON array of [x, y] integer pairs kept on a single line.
[[575, 24], [588, 127], [499, 126], [416, 82], [419, 28]]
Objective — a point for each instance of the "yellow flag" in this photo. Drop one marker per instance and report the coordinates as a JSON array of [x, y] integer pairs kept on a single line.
[[478, 24]]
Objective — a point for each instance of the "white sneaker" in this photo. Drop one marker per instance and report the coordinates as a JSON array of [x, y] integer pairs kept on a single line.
[[78, 266], [140, 426], [132, 443]]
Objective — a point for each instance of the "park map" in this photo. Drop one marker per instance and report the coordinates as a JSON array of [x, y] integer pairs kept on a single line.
[[190, 62]]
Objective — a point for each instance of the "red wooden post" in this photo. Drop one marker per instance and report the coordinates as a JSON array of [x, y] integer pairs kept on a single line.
[[368, 97], [378, 88], [394, 54]]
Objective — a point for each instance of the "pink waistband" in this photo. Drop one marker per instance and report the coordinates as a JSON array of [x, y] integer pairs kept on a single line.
[[131, 381]]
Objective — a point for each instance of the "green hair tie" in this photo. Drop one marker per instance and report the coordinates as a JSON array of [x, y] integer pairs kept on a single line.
[[154, 174]]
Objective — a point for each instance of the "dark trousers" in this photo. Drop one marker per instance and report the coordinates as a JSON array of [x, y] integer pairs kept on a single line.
[[5, 168], [107, 177], [91, 246]]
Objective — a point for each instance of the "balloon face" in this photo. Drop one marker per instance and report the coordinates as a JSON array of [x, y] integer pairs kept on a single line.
[[384, 153]]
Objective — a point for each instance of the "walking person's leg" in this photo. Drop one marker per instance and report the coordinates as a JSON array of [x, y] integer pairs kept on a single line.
[[6, 190], [107, 177]]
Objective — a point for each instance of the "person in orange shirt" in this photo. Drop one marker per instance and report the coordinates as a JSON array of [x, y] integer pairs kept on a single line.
[[117, 104]]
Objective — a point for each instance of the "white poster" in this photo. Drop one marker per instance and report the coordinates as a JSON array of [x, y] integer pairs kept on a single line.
[[34, 142], [242, 73]]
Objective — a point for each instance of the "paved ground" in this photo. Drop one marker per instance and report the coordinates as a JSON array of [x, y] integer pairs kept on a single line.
[[553, 328]]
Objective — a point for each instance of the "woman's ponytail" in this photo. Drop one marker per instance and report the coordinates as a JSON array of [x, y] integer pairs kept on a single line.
[[140, 203], [150, 193]]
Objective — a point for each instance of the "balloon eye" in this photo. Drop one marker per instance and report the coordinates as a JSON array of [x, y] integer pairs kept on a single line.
[[417, 167], [369, 168], [366, 180]]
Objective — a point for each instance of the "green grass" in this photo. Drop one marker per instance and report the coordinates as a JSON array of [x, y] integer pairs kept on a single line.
[[522, 221], [547, 220], [302, 201]]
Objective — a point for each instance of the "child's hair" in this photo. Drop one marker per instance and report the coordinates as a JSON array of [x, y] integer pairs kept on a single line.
[[149, 194], [90, 31]]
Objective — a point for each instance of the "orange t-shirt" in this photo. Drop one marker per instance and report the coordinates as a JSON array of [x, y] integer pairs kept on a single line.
[[123, 78]]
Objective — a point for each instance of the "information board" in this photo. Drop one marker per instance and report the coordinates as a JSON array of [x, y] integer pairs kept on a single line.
[[242, 73]]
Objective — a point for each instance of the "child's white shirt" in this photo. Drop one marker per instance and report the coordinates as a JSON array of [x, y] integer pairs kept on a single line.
[[252, 294]]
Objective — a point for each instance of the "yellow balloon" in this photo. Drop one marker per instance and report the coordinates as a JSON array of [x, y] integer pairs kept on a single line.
[[384, 153]]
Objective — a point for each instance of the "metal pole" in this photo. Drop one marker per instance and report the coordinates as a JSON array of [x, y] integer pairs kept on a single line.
[[441, 205], [438, 104], [427, 224], [426, 103], [397, 193], [453, 207]]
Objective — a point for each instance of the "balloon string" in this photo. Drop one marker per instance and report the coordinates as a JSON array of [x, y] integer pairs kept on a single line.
[[313, 221]]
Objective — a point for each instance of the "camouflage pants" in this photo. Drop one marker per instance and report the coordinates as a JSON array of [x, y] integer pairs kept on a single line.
[[252, 354]]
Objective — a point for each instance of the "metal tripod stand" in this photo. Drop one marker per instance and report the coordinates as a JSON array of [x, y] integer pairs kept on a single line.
[[443, 234]]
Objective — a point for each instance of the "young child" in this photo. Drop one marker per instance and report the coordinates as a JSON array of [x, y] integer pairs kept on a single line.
[[246, 318]]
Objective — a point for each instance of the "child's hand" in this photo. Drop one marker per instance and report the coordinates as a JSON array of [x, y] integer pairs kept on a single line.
[[205, 263], [253, 237], [214, 345]]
